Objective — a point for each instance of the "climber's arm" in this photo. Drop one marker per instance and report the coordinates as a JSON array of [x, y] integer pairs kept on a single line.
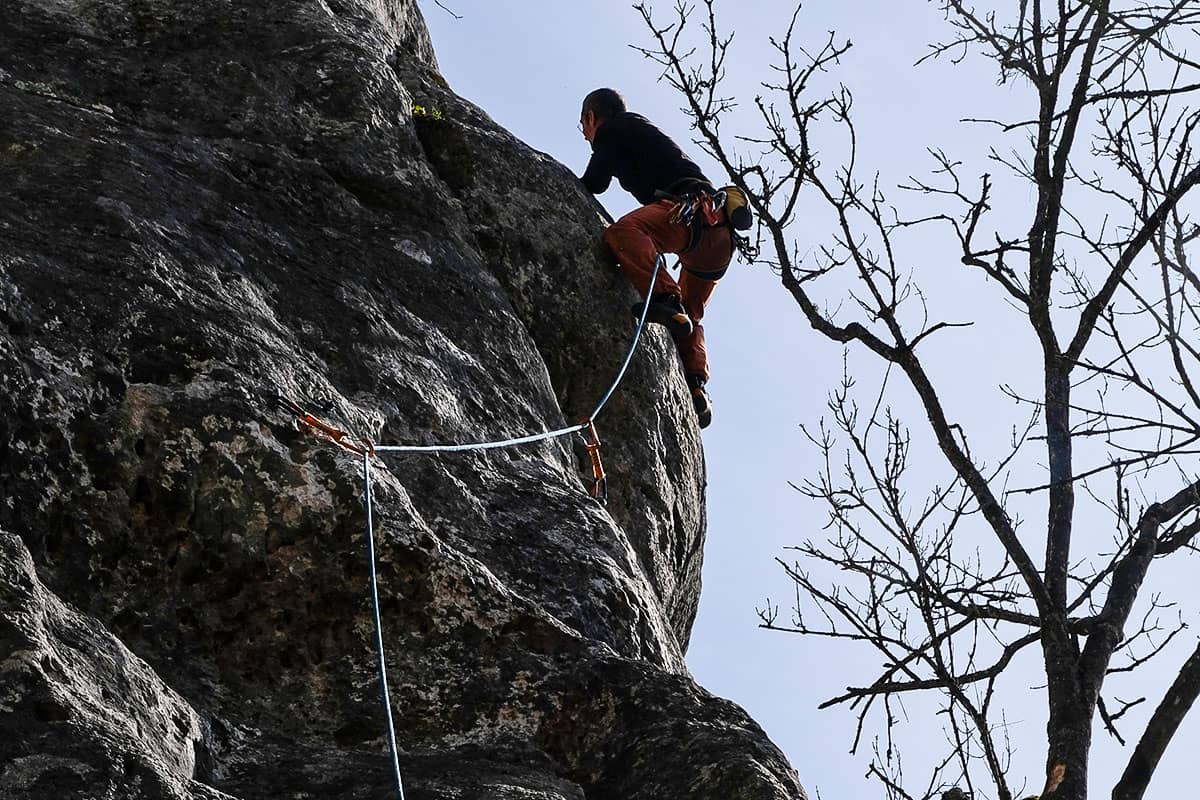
[[602, 166], [596, 178]]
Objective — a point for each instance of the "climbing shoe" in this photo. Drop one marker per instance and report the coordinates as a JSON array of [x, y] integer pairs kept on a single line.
[[700, 400], [667, 310]]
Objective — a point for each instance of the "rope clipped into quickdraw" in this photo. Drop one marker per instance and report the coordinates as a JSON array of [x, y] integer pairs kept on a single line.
[[340, 437], [591, 439], [328, 432], [363, 447], [366, 451]]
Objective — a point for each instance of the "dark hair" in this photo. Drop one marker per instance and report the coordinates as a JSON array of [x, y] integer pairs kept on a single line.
[[604, 103]]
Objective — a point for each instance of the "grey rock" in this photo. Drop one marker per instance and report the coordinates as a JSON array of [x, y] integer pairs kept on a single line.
[[210, 204], [80, 715]]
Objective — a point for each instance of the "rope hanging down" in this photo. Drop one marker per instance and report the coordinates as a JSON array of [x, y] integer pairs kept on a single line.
[[387, 703], [364, 448]]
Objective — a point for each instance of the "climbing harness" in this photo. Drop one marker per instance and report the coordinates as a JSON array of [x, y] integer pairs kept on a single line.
[[699, 206], [366, 450], [696, 206]]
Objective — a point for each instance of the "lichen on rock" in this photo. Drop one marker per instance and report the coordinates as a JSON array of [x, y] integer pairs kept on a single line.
[[210, 204]]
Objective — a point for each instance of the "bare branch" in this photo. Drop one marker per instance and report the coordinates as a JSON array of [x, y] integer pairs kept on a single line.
[[1160, 730]]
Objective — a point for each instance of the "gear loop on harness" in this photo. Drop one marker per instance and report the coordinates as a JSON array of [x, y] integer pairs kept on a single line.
[[699, 206]]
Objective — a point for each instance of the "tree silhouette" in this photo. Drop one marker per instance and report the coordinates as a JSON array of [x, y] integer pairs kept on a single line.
[[950, 589]]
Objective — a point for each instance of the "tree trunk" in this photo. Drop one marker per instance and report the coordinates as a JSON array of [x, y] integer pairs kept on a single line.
[[1070, 735]]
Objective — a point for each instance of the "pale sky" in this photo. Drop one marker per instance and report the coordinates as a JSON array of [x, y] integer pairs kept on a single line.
[[528, 64]]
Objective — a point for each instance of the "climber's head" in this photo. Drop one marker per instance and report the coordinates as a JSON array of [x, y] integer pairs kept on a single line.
[[600, 105]]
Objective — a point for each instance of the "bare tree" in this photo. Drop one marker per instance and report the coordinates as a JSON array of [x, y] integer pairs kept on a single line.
[[951, 589]]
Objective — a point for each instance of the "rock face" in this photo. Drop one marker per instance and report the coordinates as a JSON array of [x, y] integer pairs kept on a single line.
[[210, 204]]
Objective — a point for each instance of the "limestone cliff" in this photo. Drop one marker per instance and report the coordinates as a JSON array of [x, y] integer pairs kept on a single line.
[[205, 204]]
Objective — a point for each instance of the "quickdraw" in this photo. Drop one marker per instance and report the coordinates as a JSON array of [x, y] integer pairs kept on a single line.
[[364, 448], [591, 439], [328, 432], [366, 451], [699, 209]]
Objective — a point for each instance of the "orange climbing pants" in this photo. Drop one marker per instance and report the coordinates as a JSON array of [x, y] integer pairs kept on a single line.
[[638, 237]]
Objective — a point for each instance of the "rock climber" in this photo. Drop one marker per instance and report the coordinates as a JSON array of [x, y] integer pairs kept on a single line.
[[678, 216]]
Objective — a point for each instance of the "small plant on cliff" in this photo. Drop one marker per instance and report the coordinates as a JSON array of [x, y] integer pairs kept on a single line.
[[427, 113], [446, 146]]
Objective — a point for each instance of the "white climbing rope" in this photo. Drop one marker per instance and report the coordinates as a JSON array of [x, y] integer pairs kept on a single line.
[[387, 703], [537, 437], [368, 450], [462, 448], [636, 336]]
